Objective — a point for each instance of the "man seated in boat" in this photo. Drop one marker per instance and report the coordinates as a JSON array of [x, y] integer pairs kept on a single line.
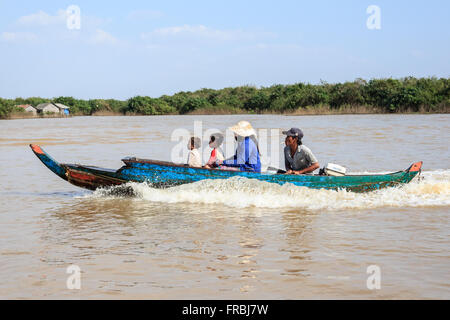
[[247, 157], [298, 158]]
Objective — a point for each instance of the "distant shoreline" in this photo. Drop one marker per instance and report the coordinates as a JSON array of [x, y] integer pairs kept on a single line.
[[305, 112], [375, 96]]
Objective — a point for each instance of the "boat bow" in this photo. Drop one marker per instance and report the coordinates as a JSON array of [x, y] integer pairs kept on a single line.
[[49, 162]]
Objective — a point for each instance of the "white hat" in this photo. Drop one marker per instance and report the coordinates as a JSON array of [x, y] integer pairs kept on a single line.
[[243, 129]]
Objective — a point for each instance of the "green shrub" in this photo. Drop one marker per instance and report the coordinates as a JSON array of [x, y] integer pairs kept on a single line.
[[193, 104], [6, 107], [149, 106]]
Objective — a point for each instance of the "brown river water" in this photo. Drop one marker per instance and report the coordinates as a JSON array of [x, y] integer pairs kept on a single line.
[[231, 239]]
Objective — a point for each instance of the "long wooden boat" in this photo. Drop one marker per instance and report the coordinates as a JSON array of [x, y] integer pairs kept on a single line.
[[162, 174]]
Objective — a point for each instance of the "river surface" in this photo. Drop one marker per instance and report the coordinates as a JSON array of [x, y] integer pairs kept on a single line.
[[235, 239]]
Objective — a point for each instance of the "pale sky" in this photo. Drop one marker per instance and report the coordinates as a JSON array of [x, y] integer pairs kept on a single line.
[[162, 47]]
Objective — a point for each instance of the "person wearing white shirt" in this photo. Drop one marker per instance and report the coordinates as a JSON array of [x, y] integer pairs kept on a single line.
[[194, 158]]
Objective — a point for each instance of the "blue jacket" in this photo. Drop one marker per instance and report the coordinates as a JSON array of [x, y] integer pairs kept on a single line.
[[246, 157]]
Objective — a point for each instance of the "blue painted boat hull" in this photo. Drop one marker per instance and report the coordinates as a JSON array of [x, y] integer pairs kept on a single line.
[[165, 174]]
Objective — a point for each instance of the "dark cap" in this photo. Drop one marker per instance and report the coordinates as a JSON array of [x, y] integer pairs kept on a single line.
[[294, 132]]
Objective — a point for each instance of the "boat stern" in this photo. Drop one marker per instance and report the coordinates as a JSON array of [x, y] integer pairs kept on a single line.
[[415, 167]]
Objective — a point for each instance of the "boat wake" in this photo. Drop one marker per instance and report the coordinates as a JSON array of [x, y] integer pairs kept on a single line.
[[433, 189]]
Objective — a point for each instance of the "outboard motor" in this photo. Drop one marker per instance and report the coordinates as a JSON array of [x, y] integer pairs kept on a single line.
[[332, 169]]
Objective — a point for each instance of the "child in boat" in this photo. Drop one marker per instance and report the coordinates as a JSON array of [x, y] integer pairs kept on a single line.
[[215, 141], [194, 158]]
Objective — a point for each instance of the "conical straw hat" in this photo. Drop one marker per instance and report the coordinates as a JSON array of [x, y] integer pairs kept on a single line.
[[243, 129]]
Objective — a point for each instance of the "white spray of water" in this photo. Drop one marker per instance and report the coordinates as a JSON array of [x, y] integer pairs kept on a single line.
[[432, 190]]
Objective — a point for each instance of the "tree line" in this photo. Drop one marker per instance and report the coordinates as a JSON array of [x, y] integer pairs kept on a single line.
[[380, 95]]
